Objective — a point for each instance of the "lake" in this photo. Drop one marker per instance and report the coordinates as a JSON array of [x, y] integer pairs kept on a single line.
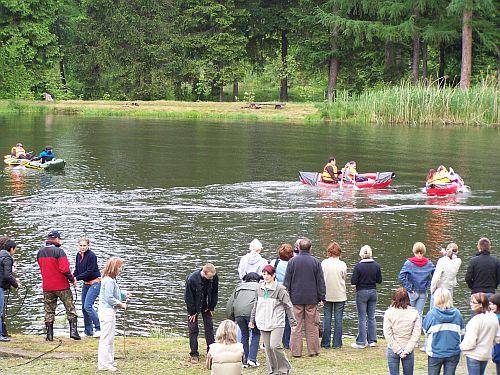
[[169, 196]]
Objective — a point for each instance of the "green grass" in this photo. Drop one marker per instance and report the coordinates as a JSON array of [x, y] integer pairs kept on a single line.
[[169, 355], [410, 104]]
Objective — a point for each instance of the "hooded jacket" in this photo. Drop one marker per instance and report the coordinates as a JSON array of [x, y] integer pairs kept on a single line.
[[445, 329], [251, 262], [416, 274], [6, 278], [242, 300], [193, 294]]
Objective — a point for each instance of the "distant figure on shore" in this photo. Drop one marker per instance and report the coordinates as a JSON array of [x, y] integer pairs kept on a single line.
[[47, 97], [226, 354], [110, 299], [87, 270], [365, 276], [7, 280], [56, 279], [201, 295], [252, 261], [305, 283]]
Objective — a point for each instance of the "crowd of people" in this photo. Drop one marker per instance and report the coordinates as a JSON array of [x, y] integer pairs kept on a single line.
[[57, 279], [290, 290]]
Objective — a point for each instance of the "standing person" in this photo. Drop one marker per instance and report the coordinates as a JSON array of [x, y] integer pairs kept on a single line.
[[402, 326], [280, 264], [225, 354], [252, 261], [481, 334], [483, 272], [201, 295], [445, 275], [335, 271], [416, 275], [495, 309], [444, 327], [305, 282], [7, 280], [56, 279], [239, 308], [110, 299], [268, 315], [365, 276], [86, 269]]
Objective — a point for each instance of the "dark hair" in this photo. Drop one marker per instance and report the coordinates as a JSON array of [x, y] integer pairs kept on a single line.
[[400, 299], [269, 269], [305, 244], [495, 299], [331, 158], [431, 173], [252, 276], [285, 251], [482, 300], [484, 244], [3, 240], [334, 250], [9, 244]]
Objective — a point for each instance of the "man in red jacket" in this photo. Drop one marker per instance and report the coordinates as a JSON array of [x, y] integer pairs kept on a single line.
[[56, 279]]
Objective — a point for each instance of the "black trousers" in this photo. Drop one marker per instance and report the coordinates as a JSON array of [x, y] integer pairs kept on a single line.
[[208, 324]]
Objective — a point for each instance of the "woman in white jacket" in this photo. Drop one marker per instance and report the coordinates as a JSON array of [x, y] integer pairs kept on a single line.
[[445, 275], [481, 333]]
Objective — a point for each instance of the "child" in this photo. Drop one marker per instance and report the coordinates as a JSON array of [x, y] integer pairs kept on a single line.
[[225, 356], [110, 298]]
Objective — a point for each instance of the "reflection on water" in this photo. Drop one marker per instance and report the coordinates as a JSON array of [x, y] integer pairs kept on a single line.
[[170, 196]]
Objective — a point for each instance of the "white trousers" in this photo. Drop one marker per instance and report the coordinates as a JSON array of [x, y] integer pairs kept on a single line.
[[106, 351]]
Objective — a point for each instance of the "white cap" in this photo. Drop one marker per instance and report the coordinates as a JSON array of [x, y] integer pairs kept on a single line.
[[255, 245]]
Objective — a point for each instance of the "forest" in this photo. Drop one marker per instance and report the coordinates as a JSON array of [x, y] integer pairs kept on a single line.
[[227, 50]]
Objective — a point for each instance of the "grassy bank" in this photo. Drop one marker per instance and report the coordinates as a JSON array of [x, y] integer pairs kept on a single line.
[[292, 112], [409, 104], [170, 356]]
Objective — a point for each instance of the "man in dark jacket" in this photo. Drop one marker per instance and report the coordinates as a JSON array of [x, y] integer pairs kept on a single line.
[[483, 272], [56, 279], [306, 285], [201, 294], [7, 280]]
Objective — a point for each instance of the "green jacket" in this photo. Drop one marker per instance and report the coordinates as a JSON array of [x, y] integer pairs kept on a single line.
[[242, 300]]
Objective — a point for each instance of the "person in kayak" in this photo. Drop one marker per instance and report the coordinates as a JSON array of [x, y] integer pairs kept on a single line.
[[441, 176], [18, 151], [330, 172], [430, 176], [46, 155], [350, 174]]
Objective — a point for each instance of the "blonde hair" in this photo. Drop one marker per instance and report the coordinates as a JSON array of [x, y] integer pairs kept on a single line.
[[84, 239], [419, 248], [112, 267], [209, 267], [226, 332], [442, 298], [365, 252]]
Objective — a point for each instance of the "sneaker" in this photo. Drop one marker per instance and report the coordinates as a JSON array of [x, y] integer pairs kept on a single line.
[[4, 339], [244, 366], [97, 334], [194, 360], [107, 368], [356, 346], [253, 364], [372, 344]]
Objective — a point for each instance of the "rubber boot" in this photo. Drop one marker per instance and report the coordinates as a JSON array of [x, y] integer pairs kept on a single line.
[[50, 331], [73, 330], [4, 330]]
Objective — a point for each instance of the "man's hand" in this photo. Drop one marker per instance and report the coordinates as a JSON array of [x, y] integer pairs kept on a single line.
[[192, 318], [19, 285], [74, 281], [123, 305], [251, 325], [321, 304]]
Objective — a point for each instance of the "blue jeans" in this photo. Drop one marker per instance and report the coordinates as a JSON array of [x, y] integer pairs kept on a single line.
[[2, 299], [286, 334], [449, 365], [337, 308], [475, 367], [417, 300], [393, 360], [366, 300], [90, 317], [250, 352]]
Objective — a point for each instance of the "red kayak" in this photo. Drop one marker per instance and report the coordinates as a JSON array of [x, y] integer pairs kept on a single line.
[[377, 180], [443, 189]]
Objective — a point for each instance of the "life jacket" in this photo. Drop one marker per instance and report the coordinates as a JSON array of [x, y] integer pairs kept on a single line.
[[349, 173], [17, 151], [441, 177], [326, 175]]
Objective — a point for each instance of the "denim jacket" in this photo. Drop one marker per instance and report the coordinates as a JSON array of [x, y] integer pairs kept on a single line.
[[110, 295]]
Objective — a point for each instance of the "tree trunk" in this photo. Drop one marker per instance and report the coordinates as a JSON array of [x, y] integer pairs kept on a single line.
[[398, 60], [221, 92], [235, 90], [389, 60], [63, 73], [442, 65], [333, 65], [416, 51], [466, 67], [425, 78], [284, 79]]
